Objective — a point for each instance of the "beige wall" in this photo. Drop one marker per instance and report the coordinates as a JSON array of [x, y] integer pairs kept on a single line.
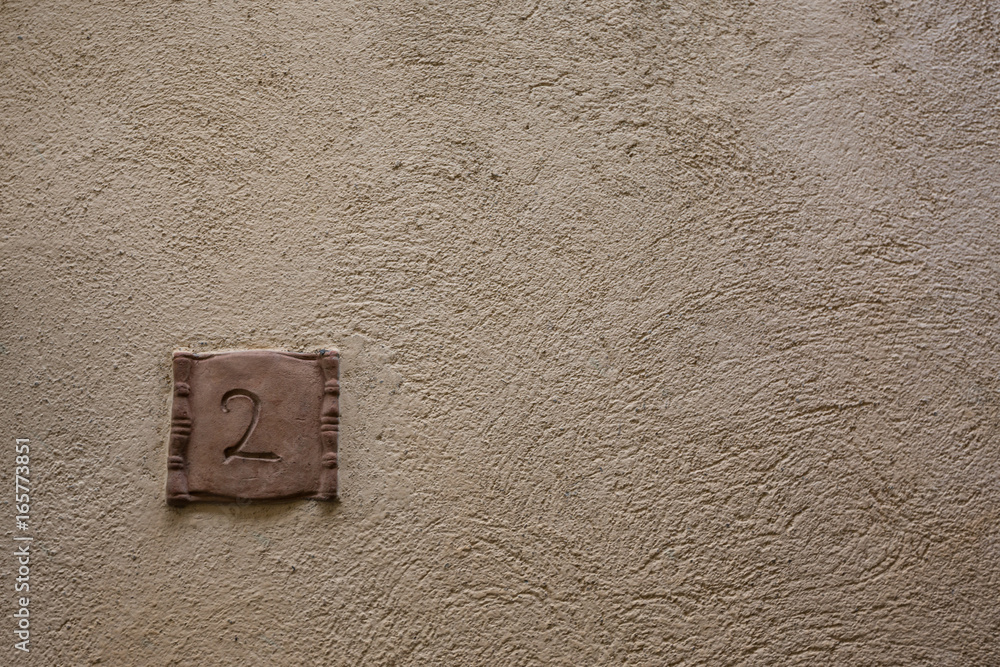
[[669, 328]]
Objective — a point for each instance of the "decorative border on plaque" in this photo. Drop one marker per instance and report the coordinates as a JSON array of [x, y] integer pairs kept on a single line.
[[329, 363], [180, 431]]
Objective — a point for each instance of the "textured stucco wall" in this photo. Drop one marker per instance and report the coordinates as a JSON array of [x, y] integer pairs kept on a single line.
[[669, 328]]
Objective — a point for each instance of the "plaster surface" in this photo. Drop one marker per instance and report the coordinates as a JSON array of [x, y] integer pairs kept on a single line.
[[668, 330]]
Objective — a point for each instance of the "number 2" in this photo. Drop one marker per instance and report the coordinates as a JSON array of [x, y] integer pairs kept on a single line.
[[236, 451]]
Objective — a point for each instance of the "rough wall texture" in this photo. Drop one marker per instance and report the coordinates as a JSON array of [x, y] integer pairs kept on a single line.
[[669, 328]]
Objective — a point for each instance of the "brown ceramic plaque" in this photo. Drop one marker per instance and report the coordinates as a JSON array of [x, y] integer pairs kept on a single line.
[[254, 425]]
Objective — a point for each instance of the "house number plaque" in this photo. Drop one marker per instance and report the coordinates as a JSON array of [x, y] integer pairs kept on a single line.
[[254, 425]]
